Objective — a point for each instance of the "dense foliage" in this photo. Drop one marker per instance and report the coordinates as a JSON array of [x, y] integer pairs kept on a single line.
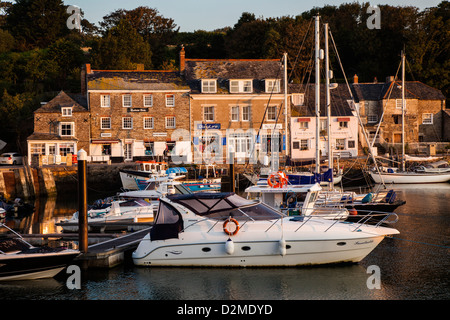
[[39, 55]]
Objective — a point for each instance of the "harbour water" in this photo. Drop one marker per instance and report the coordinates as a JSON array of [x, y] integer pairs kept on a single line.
[[413, 265]]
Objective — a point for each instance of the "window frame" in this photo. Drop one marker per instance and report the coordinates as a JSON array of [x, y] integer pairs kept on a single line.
[[174, 122], [248, 113], [102, 101], [234, 117], [72, 129], [124, 122], [102, 127], [427, 120], [205, 113], [209, 85], [144, 100], [125, 105], [298, 99], [144, 123], [272, 83], [64, 112], [269, 113], [168, 99]]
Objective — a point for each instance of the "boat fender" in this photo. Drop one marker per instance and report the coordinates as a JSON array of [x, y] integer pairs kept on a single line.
[[225, 224], [353, 212], [282, 247], [229, 246]]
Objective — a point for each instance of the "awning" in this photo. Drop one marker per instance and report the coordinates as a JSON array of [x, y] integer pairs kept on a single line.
[[343, 119], [104, 141], [303, 119]]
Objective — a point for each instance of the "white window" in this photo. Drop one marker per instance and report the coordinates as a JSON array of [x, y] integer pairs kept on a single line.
[[241, 142], [304, 143], [66, 148], [148, 123], [340, 144], [105, 100], [343, 124], [66, 112], [241, 86], [170, 100], [37, 148], [209, 86], [127, 123], [271, 113], [372, 118], [427, 118], [170, 122], [272, 85], [67, 129], [148, 100], [208, 113], [126, 100], [398, 103], [235, 113], [298, 99], [246, 113], [304, 125], [105, 123]]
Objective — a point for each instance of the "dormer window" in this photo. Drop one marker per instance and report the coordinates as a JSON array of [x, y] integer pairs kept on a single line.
[[272, 85], [66, 112], [209, 86], [298, 99], [241, 86]]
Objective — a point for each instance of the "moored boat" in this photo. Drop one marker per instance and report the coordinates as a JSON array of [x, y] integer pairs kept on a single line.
[[226, 230]]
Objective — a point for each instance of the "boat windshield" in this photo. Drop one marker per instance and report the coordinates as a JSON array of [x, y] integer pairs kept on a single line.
[[224, 205]]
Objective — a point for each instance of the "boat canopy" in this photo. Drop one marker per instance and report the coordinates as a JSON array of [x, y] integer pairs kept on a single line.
[[225, 204]]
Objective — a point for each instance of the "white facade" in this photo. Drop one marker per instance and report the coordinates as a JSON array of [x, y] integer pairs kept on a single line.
[[344, 137]]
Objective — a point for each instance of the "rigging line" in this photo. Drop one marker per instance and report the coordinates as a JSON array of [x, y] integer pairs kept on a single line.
[[425, 243], [264, 116], [301, 46]]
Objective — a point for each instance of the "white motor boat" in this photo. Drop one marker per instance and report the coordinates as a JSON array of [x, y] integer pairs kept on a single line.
[[124, 211], [296, 199], [226, 230]]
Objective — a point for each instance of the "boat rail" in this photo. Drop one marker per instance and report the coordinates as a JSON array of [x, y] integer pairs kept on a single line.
[[376, 217]]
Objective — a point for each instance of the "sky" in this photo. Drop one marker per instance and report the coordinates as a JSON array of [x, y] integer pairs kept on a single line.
[[208, 15]]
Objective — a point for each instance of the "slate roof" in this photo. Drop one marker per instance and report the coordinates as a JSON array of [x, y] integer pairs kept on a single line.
[[135, 80], [379, 91], [50, 136], [224, 70], [77, 102], [339, 101]]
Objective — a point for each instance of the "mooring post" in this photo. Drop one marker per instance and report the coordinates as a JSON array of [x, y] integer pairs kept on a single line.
[[231, 169], [82, 201]]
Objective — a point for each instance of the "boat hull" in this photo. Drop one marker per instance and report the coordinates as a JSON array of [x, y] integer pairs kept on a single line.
[[405, 178], [34, 265], [313, 245]]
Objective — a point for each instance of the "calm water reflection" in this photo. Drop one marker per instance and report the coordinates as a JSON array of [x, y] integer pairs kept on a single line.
[[414, 265]]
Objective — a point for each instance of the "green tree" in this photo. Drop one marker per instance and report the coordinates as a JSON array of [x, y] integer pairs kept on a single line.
[[121, 48], [36, 23]]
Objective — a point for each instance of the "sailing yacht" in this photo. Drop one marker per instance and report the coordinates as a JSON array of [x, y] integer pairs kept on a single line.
[[396, 176]]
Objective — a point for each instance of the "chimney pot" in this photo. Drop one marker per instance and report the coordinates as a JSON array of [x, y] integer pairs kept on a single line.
[[355, 79]]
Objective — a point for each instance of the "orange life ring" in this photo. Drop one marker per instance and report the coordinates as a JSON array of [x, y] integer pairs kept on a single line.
[[280, 180], [225, 226]]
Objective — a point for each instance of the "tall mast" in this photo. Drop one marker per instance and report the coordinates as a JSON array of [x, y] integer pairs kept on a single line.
[[403, 110], [286, 131], [317, 66], [328, 101]]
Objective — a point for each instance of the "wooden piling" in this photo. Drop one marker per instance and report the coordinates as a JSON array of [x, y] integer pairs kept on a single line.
[[82, 201]]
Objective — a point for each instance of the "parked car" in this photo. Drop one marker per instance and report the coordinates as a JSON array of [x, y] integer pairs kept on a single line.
[[11, 158]]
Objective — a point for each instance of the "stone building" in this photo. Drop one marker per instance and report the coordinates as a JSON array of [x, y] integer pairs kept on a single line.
[[137, 114], [61, 128], [236, 106], [382, 102]]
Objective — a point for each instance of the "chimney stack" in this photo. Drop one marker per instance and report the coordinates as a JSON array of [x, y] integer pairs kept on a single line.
[[355, 79], [182, 60]]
